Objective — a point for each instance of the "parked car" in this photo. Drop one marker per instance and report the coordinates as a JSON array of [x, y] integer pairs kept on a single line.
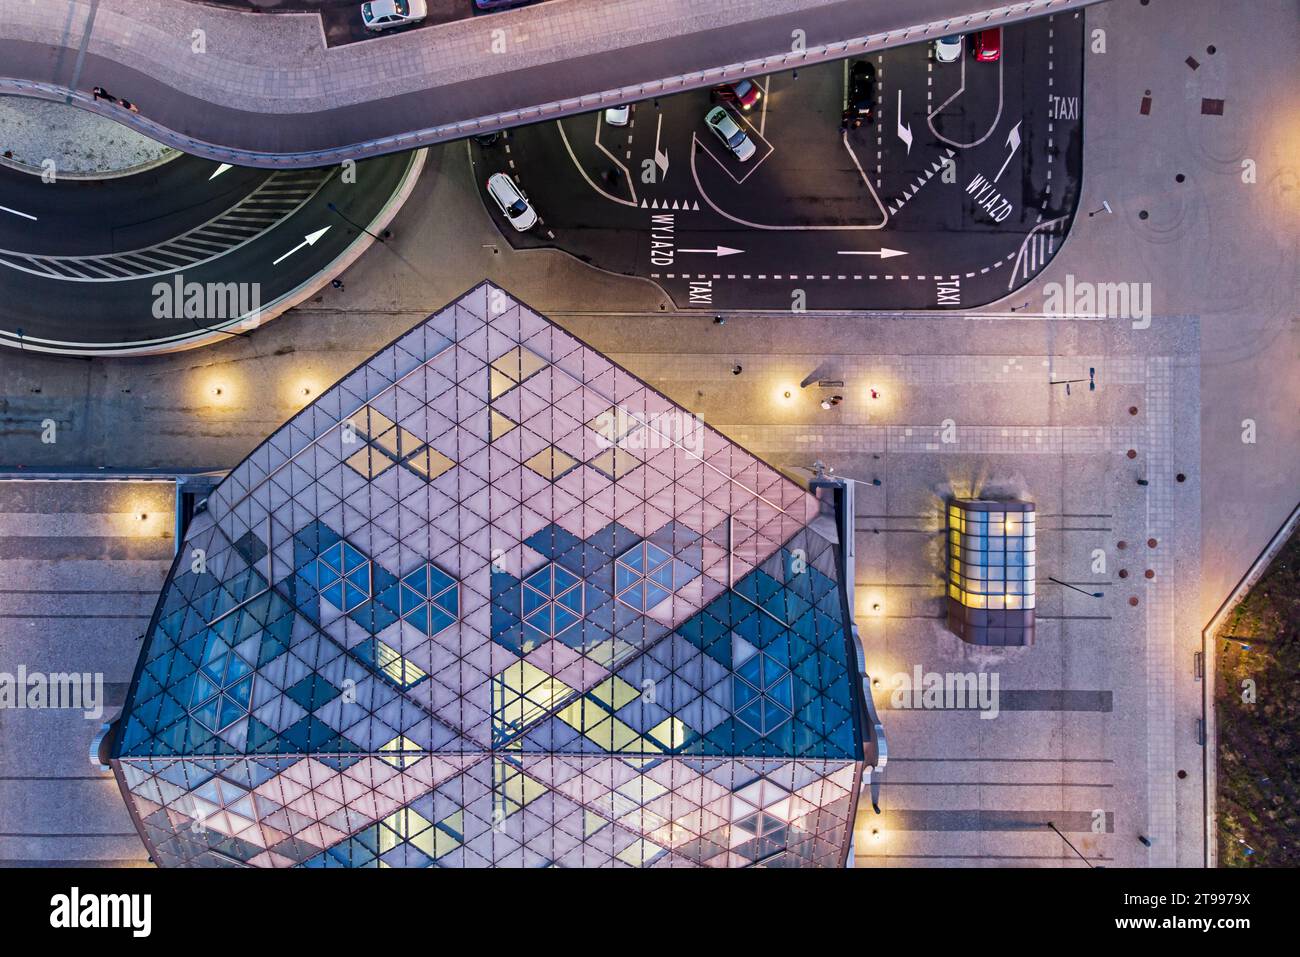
[[988, 45], [862, 93], [725, 128], [512, 201], [489, 5], [744, 93], [948, 49], [385, 14], [618, 115]]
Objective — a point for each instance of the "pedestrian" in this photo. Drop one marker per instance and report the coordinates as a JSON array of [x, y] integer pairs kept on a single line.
[[737, 369], [128, 105], [99, 93], [831, 401], [337, 284], [718, 320]]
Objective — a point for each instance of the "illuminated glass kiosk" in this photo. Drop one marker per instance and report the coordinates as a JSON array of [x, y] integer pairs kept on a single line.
[[991, 572]]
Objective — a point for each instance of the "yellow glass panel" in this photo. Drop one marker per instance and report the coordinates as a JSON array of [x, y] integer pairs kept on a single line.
[[499, 384], [379, 422], [430, 463], [388, 441], [671, 731], [615, 692], [551, 463], [368, 462], [500, 425]]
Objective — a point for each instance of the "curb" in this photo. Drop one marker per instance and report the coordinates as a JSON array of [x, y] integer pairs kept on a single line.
[[309, 287]]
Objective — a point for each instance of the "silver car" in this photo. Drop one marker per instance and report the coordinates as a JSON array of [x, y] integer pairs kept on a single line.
[[385, 14], [729, 131], [948, 49], [512, 202]]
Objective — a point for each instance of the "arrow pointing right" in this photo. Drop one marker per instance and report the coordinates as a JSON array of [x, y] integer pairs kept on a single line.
[[308, 240], [718, 251], [884, 252]]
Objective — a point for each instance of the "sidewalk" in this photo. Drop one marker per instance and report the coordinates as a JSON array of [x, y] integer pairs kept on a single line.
[[82, 145], [264, 84]]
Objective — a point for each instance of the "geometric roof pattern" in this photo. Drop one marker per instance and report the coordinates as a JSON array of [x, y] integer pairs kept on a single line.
[[491, 600]]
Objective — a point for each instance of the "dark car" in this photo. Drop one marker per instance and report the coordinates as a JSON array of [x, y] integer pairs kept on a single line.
[[489, 5], [862, 93]]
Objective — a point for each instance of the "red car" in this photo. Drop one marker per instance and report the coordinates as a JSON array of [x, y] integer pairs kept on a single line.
[[988, 45], [744, 93]]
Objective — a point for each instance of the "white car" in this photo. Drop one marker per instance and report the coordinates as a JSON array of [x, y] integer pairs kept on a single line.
[[512, 202], [386, 14], [729, 131], [617, 115], [948, 49]]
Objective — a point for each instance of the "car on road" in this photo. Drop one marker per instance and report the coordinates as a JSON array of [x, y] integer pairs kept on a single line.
[[725, 128], [988, 45], [744, 93], [948, 49], [512, 201], [862, 93], [618, 115], [385, 14]]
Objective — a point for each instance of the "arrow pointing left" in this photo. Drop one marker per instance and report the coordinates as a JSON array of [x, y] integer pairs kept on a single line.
[[220, 169], [715, 251], [308, 240]]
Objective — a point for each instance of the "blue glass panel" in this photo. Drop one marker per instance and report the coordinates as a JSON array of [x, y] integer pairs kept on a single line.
[[654, 595], [634, 558], [655, 556], [449, 601], [332, 557], [572, 600], [742, 693], [541, 580], [663, 576], [564, 580], [438, 620], [752, 715], [624, 577], [751, 671], [409, 598], [438, 580], [334, 595], [635, 596], [563, 619], [533, 600], [354, 596], [242, 691], [782, 693], [418, 580], [360, 578]]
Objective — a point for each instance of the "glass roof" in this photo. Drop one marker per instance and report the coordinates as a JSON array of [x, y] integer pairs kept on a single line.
[[491, 600]]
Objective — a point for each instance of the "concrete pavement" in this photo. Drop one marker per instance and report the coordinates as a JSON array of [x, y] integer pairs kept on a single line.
[[261, 89]]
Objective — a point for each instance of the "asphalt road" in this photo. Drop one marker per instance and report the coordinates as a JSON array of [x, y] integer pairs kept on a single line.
[[951, 203], [84, 265], [223, 121]]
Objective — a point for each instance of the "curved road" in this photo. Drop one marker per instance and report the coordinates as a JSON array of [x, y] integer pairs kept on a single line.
[[181, 254], [263, 89]]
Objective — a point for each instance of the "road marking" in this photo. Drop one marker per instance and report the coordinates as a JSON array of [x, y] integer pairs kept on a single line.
[[718, 251], [6, 209], [904, 130], [884, 252], [583, 173], [309, 240], [661, 156], [1013, 141], [960, 90], [219, 170]]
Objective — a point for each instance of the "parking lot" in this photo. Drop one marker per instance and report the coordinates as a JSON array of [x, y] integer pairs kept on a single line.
[[960, 188]]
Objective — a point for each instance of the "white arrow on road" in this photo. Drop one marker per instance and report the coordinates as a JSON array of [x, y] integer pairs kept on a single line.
[[220, 169], [1013, 141], [661, 156], [715, 251], [884, 252], [904, 129], [308, 240], [6, 209]]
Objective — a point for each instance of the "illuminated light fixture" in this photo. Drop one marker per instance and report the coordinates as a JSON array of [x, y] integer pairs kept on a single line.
[[991, 572]]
